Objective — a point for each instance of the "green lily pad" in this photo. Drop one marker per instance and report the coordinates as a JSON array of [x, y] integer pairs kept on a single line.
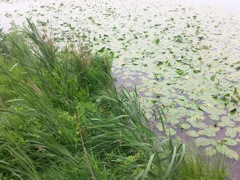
[[231, 132], [213, 142], [210, 131], [229, 141], [171, 131], [201, 133], [202, 142], [227, 122], [192, 133], [148, 115], [185, 126], [198, 125], [178, 39], [214, 117], [223, 149], [210, 151], [160, 128], [174, 120]]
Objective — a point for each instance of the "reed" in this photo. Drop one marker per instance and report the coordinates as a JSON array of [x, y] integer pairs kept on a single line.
[[61, 117]]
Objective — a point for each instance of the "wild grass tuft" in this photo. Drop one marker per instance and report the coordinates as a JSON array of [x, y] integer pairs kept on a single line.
[[196, 165]]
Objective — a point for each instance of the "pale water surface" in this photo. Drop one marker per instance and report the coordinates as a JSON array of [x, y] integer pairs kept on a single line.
[[230, 6]]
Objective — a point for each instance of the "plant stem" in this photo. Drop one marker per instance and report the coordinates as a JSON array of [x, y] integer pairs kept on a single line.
[[84, 148]]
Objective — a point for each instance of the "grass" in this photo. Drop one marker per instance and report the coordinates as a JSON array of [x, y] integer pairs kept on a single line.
[[61, 117], [196, 165]]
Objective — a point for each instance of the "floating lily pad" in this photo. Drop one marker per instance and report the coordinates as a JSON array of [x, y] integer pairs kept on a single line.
[[231, 132], [210, 151], [171, 131], [228, 152], [229, 141], [227, 122], [201, 133], [214, 117], [184, 126], [210, 131], [202, 142], [198, 125], [192, 133]]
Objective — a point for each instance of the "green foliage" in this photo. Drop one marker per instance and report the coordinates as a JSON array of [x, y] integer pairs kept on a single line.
[[129, 136], [40, 88], [3, 45], [197, 166], [62, 76], [61, 117]]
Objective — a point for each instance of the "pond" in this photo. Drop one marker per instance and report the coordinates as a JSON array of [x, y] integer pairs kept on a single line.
[[182, 55], [232, 6]]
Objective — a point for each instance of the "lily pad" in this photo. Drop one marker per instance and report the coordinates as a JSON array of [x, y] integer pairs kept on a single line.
[[231, 132], [229, 141], [185, 126], [201, 133], [223, 149], [192, 133], [202, 142], [171, 131], [210, 131], [227, 122], [214, 117], [210, 151], [198, 125]]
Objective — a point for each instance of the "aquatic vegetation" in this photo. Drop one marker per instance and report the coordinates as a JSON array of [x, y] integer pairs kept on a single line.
[[185, 59], [62, 117]]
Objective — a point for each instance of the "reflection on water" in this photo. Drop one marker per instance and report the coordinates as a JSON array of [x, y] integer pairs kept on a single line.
[[5, 13], [5, 23], [232, 6]]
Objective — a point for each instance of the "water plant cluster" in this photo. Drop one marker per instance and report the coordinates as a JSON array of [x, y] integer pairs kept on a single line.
[[61, 117]]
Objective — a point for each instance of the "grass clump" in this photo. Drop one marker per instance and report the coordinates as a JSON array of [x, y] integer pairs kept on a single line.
[[196, 165], [61, 117]]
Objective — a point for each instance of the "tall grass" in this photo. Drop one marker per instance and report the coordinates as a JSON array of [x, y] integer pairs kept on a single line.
[[196, 165], [61, 117], [128, 141], [40, 89]]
